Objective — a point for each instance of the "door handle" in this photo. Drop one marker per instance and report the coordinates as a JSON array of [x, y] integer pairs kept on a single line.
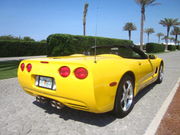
[[139, 63]]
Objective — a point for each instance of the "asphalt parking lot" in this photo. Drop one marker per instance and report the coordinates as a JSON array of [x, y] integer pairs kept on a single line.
[[21, 115]]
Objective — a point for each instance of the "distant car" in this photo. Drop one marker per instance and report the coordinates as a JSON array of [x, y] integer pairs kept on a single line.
[[98, 83]]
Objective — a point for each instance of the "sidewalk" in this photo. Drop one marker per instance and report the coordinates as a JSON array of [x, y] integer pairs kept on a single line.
[[170, 123], [19, 58]]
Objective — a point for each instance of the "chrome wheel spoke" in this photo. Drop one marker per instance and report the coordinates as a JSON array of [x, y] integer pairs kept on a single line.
[[130, 97], [129, 86], [127, 95], [124, 88], [125, 105], [161, 73], [122, 99]]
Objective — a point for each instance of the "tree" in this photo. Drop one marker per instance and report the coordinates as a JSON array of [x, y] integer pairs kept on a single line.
[[159, 35], [143, 4], [165, 38], [28, 39], [176, 32], [169, 22], [129, 26], [172, 39], [84, 17], [8, 37], [178, 42], [149, 31], [43, 41]]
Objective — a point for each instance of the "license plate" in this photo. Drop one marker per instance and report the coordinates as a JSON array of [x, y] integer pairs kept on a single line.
[[45, 82]]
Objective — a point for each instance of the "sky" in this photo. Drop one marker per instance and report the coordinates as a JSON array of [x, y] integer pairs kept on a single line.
[[40, 18]]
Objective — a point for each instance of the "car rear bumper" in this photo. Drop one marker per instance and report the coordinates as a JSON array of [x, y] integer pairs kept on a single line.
[[75, 104]]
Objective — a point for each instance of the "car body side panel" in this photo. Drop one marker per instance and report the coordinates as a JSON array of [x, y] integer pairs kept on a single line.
[[145, 72], [104, 75]]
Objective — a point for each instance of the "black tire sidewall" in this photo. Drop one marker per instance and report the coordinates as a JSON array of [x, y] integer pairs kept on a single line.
[[118, 111]]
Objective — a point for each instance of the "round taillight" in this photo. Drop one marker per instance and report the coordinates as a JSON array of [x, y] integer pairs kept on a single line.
[[29, 67], [64, 71], [22, 66], [81, 73]]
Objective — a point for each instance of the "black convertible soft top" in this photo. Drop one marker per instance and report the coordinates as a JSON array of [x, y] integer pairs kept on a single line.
[[121, 50]]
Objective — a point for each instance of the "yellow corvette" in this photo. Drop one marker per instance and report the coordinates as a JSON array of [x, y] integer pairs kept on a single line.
[[100, 83]]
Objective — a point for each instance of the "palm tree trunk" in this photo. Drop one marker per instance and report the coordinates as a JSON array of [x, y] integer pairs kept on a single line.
[[148, 37], [84, 29], [142, 27], [159, 40], [167, 40], [176, 37], [168, 29], [129, 35], [84, 18]]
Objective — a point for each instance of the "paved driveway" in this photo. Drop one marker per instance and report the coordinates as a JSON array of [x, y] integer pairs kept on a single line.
[[20, 114]]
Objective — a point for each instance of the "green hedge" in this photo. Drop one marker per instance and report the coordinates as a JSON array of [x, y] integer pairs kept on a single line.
[[154, 48], [21, 48], [178, 47], [64, 44], [171, 47]]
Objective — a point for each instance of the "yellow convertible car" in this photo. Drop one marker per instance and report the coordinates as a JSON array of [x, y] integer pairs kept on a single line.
[[108, 81]]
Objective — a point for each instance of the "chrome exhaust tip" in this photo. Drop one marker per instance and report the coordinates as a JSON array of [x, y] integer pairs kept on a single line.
[[53, 103], [38, 99], [57, 104], [41, 99]]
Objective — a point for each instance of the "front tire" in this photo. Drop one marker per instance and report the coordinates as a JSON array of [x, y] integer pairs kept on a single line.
[[124, 101]]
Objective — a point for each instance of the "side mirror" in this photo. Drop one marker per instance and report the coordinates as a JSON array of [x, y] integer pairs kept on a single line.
[[152, 56]]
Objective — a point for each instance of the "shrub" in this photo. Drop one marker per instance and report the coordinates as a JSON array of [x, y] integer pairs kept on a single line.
[[171, 47], [21, 48], [64, 44], [154, 48], [178, 47], [138, 46]]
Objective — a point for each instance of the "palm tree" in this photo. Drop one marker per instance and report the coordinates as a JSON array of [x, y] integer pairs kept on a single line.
[[172, 39], [169, 22], [159, 35], [165, 38], [129, 26], [149, 31], [143, 4], [178, 42], [84, 18], [176, 32]]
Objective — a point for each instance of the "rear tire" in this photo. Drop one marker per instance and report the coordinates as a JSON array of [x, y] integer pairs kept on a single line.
[[124, 101], [160, 74]]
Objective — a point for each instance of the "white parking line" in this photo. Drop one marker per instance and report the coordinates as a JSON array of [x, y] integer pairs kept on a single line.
[[151, 130]]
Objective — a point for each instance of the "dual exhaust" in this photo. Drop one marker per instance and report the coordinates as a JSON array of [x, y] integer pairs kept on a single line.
[[53, 103], [56, 104], [41, 99]]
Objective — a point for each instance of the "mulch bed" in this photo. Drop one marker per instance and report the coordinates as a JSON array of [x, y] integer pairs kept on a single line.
[[170, 124]]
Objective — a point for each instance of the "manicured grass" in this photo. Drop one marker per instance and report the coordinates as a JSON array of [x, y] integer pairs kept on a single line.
[[8, 69]]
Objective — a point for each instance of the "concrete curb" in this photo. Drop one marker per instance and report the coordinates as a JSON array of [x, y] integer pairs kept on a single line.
[[152, 128], [19, 58]]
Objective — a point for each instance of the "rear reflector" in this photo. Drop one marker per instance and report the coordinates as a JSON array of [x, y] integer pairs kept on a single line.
[[29, 67], [81, 73], [113, 84], [22, 66], [64, 71], [44, 62]]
